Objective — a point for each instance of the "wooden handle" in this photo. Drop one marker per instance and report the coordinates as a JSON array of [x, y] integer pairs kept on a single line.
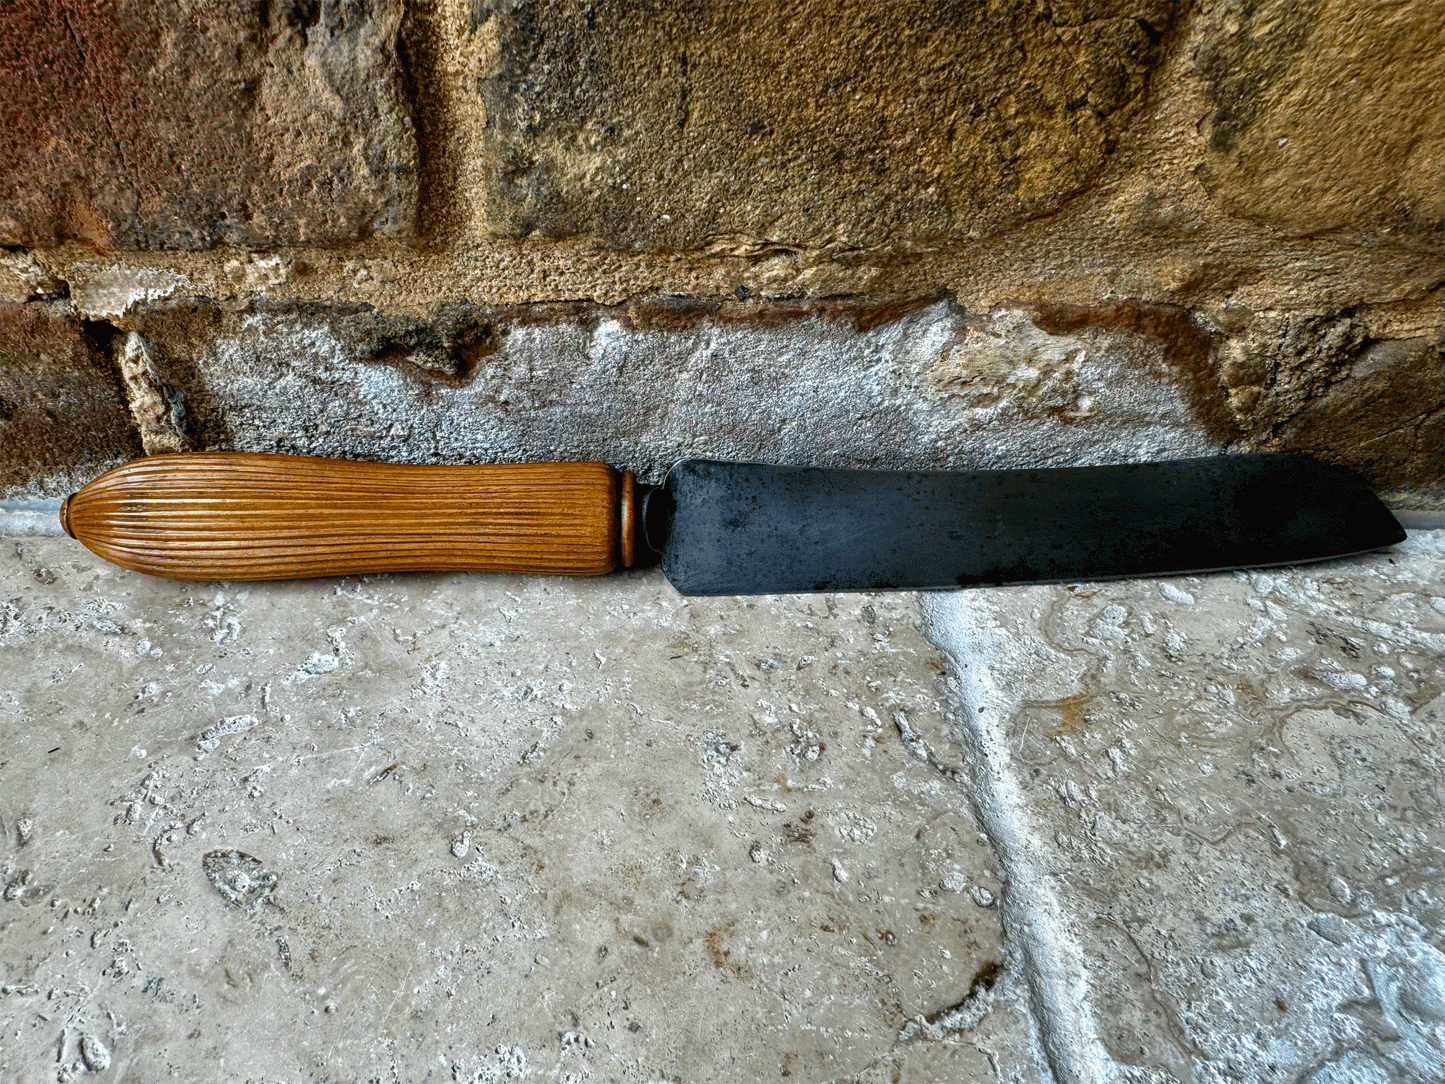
[[250, 516]]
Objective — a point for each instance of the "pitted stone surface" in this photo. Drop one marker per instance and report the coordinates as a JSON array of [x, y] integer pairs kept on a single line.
[[1327, 114], [183, 125], [643, 386], [740, 128], [484, 828], [885, 381], [24, 278], [1323, 384], [1231, 786]]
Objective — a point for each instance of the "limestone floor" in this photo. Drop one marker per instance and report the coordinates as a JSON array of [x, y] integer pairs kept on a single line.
[[486, 828]]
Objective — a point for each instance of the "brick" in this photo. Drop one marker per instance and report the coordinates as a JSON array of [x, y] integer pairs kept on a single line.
[[63, 418], [739, 127], [186, 125]]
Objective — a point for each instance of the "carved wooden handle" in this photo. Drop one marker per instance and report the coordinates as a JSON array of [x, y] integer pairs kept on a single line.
[[250, 516]]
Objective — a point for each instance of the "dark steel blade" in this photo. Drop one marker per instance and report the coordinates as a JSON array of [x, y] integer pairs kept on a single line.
[[746, 528]]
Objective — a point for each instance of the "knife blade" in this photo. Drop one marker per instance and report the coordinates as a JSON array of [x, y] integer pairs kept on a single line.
[[735, 528], [725, 528]]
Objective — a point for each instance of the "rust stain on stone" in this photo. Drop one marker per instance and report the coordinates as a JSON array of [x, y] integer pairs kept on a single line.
[[667, 314], [864, 312], [1184, 346], [984, 980], [722, 957], [1073, 713]]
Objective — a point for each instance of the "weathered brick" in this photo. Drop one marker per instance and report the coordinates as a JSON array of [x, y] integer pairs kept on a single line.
[[184, 125], [906, 122], [63, 417]]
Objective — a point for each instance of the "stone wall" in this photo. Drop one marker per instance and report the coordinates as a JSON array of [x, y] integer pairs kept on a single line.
[[886, 233]]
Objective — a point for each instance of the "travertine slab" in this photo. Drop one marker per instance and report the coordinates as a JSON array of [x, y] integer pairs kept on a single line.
[[1225, 794], [453, 828]]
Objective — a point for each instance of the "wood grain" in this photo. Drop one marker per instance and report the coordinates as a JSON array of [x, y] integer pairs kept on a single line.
[[253, 516]]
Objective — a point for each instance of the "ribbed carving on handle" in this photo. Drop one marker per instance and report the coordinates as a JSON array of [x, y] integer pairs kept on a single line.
[[252, 516]]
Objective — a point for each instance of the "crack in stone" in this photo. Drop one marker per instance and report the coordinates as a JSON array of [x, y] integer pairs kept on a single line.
[[919, 748], [964, 1013], [966, 628]]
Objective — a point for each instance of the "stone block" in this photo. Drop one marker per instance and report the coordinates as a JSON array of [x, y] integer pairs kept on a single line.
[[483, 828], [852, 382], [1386, 419], [63, 414], [742, 128], [182, 125], [1320, 383], [903, 381], [1225, 791], [1328, 114]]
